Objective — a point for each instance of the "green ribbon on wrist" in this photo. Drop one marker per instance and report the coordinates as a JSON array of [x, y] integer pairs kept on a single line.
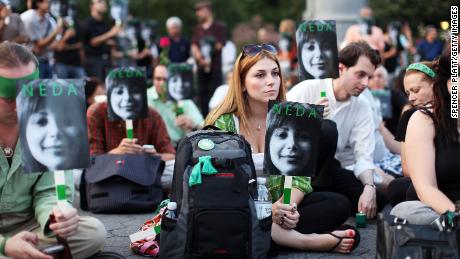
[[8, 85], [3, 244]]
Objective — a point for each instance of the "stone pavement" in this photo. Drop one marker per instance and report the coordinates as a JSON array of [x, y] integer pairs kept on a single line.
[[119, 227]]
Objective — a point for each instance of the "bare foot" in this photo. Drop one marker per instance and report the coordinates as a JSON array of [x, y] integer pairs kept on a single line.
[[345, 245]]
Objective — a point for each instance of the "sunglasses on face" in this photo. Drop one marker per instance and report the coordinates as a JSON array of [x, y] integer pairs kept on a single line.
[[254, 49]]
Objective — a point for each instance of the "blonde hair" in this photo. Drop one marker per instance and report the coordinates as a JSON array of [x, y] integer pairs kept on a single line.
[[235, 100]]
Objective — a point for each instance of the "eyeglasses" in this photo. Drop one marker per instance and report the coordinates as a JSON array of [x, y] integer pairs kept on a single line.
[[254, 49]]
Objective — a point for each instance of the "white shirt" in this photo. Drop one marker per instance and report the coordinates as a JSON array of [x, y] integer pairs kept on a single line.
[[355, 146], [38, 28], [380, 149]]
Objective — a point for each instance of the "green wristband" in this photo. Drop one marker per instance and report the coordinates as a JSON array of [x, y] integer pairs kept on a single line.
[[3, 244]]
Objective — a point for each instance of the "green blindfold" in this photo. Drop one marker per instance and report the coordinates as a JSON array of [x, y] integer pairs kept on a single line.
[[8, 85]]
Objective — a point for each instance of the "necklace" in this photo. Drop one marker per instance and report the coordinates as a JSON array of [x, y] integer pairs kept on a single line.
[[258, 126], [8, 151]]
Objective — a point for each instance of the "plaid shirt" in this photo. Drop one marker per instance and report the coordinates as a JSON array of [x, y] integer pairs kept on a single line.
[[105, 135]]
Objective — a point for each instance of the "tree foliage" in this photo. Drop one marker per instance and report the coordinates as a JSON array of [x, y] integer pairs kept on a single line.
[[415, 12]]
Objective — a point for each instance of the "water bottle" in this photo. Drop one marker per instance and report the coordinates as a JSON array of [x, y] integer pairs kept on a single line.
[[171, 210], [264, 200]]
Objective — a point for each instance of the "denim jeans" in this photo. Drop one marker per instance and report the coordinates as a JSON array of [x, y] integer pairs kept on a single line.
[[45, 70], [64, 71], [415, 212]]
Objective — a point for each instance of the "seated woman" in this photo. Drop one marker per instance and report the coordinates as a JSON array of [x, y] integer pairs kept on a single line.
[[256, 79], [433, 149], [418, 85]]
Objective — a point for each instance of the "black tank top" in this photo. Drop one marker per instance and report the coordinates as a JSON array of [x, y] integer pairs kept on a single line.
[[447, 165], [448, 169]]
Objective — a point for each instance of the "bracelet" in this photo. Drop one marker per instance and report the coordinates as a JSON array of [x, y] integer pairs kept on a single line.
[[371, 185]]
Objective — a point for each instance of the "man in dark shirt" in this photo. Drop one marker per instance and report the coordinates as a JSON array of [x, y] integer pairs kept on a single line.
[[207, 43], [179, 48], [97, 40], [430, 47], [67, 53]]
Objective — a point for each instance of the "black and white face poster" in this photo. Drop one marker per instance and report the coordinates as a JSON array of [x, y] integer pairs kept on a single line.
[[207, 47], [119, 10], [292, 138], [126, 94], [317, 49], [180, 81], [52, 122]]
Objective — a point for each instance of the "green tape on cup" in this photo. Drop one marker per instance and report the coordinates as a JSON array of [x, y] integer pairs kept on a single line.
[[287, 189], [129, 129], [287, 196], [61, 192], [130, 134], [323, 93], [8, 85]]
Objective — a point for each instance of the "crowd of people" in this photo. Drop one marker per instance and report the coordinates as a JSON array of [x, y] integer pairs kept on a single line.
[[367, 158]]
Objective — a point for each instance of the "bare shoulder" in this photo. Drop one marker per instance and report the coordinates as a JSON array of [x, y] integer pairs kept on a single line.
[[420, 125]]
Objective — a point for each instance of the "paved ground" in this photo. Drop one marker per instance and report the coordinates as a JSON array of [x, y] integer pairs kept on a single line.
[[119, 227]]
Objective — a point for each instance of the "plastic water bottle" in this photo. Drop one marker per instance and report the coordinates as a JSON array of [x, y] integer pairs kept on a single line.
[[264, 200], [171, 210]]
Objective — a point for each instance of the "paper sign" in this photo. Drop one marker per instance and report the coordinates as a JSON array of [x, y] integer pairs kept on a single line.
[[317, 49], [119, 10], [292, 138], [52, 122], [126, 94], [180, 81]]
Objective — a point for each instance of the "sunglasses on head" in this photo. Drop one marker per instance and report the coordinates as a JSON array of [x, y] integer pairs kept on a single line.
[[254, 49]]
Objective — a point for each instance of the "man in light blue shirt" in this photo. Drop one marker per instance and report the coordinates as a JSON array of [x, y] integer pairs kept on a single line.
[[180, 117]]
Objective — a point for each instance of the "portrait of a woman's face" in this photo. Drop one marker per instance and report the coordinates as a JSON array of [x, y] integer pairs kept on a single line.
[[317, 58], [292, 139], [52, 138], [284, 43], [118, 10], [178, 88], [127, 95], [125, 102], [55, 8], [290, 149], [180, 81], [317, 50]]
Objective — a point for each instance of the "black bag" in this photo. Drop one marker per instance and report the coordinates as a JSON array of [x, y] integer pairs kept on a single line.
[[398, 239], [216, 218], [123, 184]]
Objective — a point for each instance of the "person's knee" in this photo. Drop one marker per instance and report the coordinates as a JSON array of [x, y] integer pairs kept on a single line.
[[415, 212], [341, 206], [95, 233]]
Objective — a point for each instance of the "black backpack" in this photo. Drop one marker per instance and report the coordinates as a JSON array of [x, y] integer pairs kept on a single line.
[[215, 218]]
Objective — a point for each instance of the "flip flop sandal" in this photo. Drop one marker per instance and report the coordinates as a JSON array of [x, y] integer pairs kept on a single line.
[[150, 248], [356, 238]]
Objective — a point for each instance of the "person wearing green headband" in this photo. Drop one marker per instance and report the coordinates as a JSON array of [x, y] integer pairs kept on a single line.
[[418, 83], [28, 200]]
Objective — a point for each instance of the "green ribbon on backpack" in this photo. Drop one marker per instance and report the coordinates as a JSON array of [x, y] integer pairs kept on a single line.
[[204, 166]]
